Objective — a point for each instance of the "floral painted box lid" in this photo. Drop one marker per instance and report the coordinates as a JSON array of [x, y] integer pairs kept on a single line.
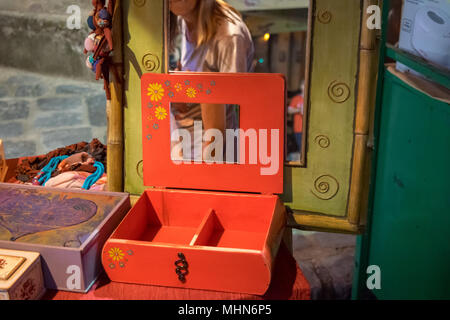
[[258, 127], [8, 265]]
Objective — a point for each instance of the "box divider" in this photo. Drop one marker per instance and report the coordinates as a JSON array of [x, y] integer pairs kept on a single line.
[[209, 223]]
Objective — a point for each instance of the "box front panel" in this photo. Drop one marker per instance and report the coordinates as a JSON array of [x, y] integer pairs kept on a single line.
[[218, 270]]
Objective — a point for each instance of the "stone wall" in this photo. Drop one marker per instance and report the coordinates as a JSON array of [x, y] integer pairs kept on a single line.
[[48, 97], [35, 37], [50, 7], [42, 113]]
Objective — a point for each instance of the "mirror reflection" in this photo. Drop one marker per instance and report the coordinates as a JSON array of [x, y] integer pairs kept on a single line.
[[246, 36], [204, 132]]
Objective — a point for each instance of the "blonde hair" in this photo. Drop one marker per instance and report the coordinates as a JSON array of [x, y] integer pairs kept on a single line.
[[210, 14]]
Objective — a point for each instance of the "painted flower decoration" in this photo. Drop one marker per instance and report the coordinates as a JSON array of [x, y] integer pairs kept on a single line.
[[171, 94], [116, 254], [28, 289], [160, 113], [167, 83], [191, 92], [178, 87], [2, 263], [155, 91]]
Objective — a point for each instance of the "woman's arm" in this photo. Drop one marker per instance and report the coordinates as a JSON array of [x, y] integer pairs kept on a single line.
[[214, 116]]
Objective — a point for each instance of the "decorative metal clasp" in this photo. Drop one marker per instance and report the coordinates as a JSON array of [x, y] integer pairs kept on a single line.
[[182, 268]]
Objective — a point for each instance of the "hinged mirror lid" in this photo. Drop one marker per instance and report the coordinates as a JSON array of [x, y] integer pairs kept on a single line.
[[240, 114]]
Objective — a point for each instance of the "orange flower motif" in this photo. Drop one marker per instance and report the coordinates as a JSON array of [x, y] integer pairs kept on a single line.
[[160, 113], [191, 92], [178, 87], [155, 91], [116, 254]]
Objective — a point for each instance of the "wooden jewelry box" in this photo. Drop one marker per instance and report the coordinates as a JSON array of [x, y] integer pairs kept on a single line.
[[20, 275], [214, 225], [67, 227]]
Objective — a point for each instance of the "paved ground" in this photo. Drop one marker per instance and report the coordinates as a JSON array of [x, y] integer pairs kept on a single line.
[[326, 259], [40, 113]]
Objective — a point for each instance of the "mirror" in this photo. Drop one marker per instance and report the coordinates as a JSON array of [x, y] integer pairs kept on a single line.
[[278, 31], [204, 132]]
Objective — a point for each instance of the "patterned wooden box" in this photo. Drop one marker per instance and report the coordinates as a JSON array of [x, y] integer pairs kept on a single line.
[[20, 275], [67, 227]]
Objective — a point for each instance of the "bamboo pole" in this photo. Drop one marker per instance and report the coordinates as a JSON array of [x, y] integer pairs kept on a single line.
[[367, 71], [114, 109], [364, 107], [366, 93], [3, 166], [357, 182]]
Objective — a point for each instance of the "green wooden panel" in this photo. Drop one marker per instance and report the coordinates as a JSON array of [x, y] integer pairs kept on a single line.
[[440, 76], [323, 185], [411, 214], [143, 29]]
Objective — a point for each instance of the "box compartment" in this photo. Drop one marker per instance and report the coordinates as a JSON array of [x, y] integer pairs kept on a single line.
[[223, 220], [230, 236]]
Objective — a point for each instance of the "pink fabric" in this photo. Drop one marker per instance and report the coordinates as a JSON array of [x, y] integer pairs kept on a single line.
[[89, 44], [75, 180]]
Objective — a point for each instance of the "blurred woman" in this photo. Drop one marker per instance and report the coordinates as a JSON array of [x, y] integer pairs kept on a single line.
[[214, 38]]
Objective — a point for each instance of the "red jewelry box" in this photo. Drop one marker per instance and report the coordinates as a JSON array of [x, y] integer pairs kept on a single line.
[[204, 225]]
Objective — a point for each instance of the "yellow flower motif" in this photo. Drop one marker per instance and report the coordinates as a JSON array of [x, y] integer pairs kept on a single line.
[[155, 91], [116, 254], [160, 113], [191, 92], [178, 87]]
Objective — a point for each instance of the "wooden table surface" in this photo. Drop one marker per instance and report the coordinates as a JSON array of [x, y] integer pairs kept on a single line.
[[288, 283]]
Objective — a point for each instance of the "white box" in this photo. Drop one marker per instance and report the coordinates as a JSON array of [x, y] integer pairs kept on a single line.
[[21, 275], [425, 31]]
